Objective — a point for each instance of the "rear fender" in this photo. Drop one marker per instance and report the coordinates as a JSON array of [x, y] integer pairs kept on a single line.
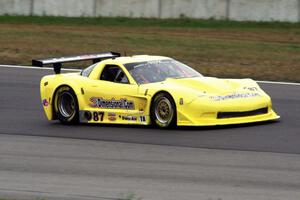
[[48, 89]]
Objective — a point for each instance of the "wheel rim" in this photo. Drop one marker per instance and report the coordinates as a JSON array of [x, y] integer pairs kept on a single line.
[[66, 104], [163, 110]]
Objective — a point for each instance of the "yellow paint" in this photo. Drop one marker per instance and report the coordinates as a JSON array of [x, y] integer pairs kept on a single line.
[[203, 97]]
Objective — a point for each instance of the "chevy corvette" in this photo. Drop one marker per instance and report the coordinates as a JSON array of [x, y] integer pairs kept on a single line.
[[146, 90]]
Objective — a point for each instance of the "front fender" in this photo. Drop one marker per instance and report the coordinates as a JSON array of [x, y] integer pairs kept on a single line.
[[181, 96]]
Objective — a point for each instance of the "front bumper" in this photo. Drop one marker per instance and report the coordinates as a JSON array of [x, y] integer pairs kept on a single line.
[[208, 113]]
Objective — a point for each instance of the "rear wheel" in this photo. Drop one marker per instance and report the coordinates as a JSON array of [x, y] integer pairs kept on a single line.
[[66, 105], [163, 111]]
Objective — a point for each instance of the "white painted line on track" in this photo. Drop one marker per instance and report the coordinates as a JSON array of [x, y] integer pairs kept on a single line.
[[279, 83], [70, 69], [40, 68]]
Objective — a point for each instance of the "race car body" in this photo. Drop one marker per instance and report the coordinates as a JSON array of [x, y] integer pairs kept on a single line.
[[149, 90]]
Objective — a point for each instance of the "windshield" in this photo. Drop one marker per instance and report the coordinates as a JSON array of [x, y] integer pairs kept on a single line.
[[159, 70]]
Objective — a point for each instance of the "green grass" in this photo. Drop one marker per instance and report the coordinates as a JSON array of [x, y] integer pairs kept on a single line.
[[143, 22], [130, 196]]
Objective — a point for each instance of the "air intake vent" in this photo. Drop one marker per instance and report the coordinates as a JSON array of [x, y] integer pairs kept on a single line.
[[222, 115]]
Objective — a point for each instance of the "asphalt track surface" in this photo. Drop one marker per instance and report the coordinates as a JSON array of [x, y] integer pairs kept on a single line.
[[47, 160], [22, 114]]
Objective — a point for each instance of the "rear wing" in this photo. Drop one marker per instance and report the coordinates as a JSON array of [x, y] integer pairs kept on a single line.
[[57, 62]]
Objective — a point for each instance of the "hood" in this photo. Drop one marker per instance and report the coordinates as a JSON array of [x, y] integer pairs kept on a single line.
[[207, 84]]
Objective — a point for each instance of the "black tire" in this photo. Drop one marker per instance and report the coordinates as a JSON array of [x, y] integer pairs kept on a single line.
[[163, 111], [66, 105]]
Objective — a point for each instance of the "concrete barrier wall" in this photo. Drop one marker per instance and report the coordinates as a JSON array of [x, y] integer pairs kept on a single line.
[[203, 9], [264, 10], [240, 10], [12, 7], [69, 8], [127, 8]]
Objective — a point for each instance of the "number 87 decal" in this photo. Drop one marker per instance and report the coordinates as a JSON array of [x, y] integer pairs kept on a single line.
[[98, 116]]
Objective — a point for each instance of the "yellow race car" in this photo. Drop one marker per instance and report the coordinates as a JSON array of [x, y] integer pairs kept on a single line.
[[148, 90]]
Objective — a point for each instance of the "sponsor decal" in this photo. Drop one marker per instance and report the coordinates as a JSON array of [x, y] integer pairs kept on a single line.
[[129, 118], [99, 102], [253, 89], [111, 116], [143, 118], [234, 96], [112, 119], [45, 102]]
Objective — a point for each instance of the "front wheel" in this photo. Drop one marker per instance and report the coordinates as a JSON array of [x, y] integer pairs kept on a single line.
[[66, 105], [163, 111]]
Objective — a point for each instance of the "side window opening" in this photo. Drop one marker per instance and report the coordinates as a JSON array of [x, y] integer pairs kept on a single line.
[[113, 73], [86, 72]]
